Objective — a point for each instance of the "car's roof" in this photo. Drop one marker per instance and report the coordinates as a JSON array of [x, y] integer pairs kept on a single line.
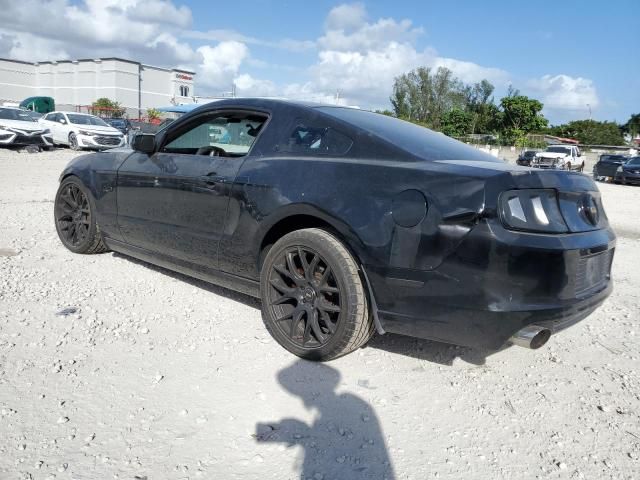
[[73, 113], [265, 102]]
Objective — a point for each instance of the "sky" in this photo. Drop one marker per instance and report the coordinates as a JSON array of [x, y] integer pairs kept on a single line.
[[579, 58]]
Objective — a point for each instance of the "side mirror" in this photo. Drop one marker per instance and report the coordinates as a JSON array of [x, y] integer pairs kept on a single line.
[[144, 142], [62, 121]]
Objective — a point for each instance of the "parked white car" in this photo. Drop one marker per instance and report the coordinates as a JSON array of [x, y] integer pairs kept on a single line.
[[80, 131], [561, 157], [18, 128]]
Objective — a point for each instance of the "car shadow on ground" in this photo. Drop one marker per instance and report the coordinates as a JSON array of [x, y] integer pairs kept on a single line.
[[345, 439], [436, 352], [429, 350]]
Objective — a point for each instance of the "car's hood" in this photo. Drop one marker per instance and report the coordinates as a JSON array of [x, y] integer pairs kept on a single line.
[[20, 125]]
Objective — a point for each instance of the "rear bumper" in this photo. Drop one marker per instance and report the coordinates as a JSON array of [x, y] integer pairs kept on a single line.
[[494, 284]]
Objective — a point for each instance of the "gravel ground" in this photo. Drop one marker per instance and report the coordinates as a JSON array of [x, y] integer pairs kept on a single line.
[[148, 374]]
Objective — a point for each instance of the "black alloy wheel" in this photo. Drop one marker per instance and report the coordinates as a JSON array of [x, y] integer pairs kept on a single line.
[[313, 300], [75, 219], [305, 297]]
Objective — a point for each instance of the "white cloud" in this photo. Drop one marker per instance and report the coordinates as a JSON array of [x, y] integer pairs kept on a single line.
[[356, 57], [224, 35], [564, 92], [346, 29], [31, 48], [470, 72], [221, 64], [146, 28], [361, 59], [346, 17], [160, 11], [247, 85]]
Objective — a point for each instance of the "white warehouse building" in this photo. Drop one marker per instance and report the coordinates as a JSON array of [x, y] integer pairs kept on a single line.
[[76, 84]]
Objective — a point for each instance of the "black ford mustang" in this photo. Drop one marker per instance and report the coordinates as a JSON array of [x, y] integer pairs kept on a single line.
[[345, 222]]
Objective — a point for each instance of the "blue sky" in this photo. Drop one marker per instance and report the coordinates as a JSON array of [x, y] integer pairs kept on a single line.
[[567, 54]]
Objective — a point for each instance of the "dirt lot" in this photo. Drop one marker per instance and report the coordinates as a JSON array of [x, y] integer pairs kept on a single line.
[[156, 376]]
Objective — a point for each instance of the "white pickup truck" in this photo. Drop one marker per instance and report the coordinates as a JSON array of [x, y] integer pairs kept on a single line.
[[560, 157]]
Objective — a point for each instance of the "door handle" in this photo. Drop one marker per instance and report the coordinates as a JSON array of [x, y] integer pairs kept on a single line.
[[212, 178]]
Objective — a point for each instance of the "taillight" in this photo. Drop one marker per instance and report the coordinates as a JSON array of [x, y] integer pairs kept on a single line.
[[534, 210]]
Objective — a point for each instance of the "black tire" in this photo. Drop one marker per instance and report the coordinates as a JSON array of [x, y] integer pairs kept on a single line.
[[74, 216], [326, 278], [73, 142]]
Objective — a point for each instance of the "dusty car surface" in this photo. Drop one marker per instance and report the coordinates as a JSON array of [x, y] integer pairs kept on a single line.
[[345, 222]]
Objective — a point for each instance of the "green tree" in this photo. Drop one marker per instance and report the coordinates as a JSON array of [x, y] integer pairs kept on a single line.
[[104, 107], [457, 122], [153, 114], [422, 96], [590, 132], [520, 115], [479, 102], [632, 127]]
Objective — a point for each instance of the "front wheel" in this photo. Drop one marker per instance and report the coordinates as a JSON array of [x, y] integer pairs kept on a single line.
[[74, 214], [73, 142], [314, 302]]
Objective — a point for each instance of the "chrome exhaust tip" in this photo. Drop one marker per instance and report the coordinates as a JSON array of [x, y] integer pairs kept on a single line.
[[531, 336]]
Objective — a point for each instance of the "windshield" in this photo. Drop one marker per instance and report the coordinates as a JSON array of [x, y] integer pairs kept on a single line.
[[79, 119], [15, 114], [559, 150], [116, 123], [634, 161], [417, 140]]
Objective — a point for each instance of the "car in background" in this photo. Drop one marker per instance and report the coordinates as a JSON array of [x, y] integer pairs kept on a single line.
[[559, 157], [628, 172], [122, 124], [608, 165], [38, 104], [18, 128], [82, 131], [35, 116], [526, 157]]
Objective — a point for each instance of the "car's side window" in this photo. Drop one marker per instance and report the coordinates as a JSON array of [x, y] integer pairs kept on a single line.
[[51, 117], [227, 134], [316, 140]]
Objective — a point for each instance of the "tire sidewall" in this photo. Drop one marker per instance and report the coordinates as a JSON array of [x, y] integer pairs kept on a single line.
[[73, 142], [348, 296], [93, 227]]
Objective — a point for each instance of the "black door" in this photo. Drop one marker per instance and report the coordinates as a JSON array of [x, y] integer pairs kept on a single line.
[[174, 202]]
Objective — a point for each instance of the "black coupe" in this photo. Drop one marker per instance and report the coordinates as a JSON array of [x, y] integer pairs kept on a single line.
[[345, 222]]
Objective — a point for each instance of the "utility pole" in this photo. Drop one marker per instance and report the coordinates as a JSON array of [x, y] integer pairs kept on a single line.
[[589, 106]]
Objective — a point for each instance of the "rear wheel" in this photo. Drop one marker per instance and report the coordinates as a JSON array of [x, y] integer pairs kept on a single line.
[[313, 300], [74, 214]]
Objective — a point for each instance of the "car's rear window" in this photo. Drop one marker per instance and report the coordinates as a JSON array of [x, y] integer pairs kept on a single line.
[[415, 139]]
